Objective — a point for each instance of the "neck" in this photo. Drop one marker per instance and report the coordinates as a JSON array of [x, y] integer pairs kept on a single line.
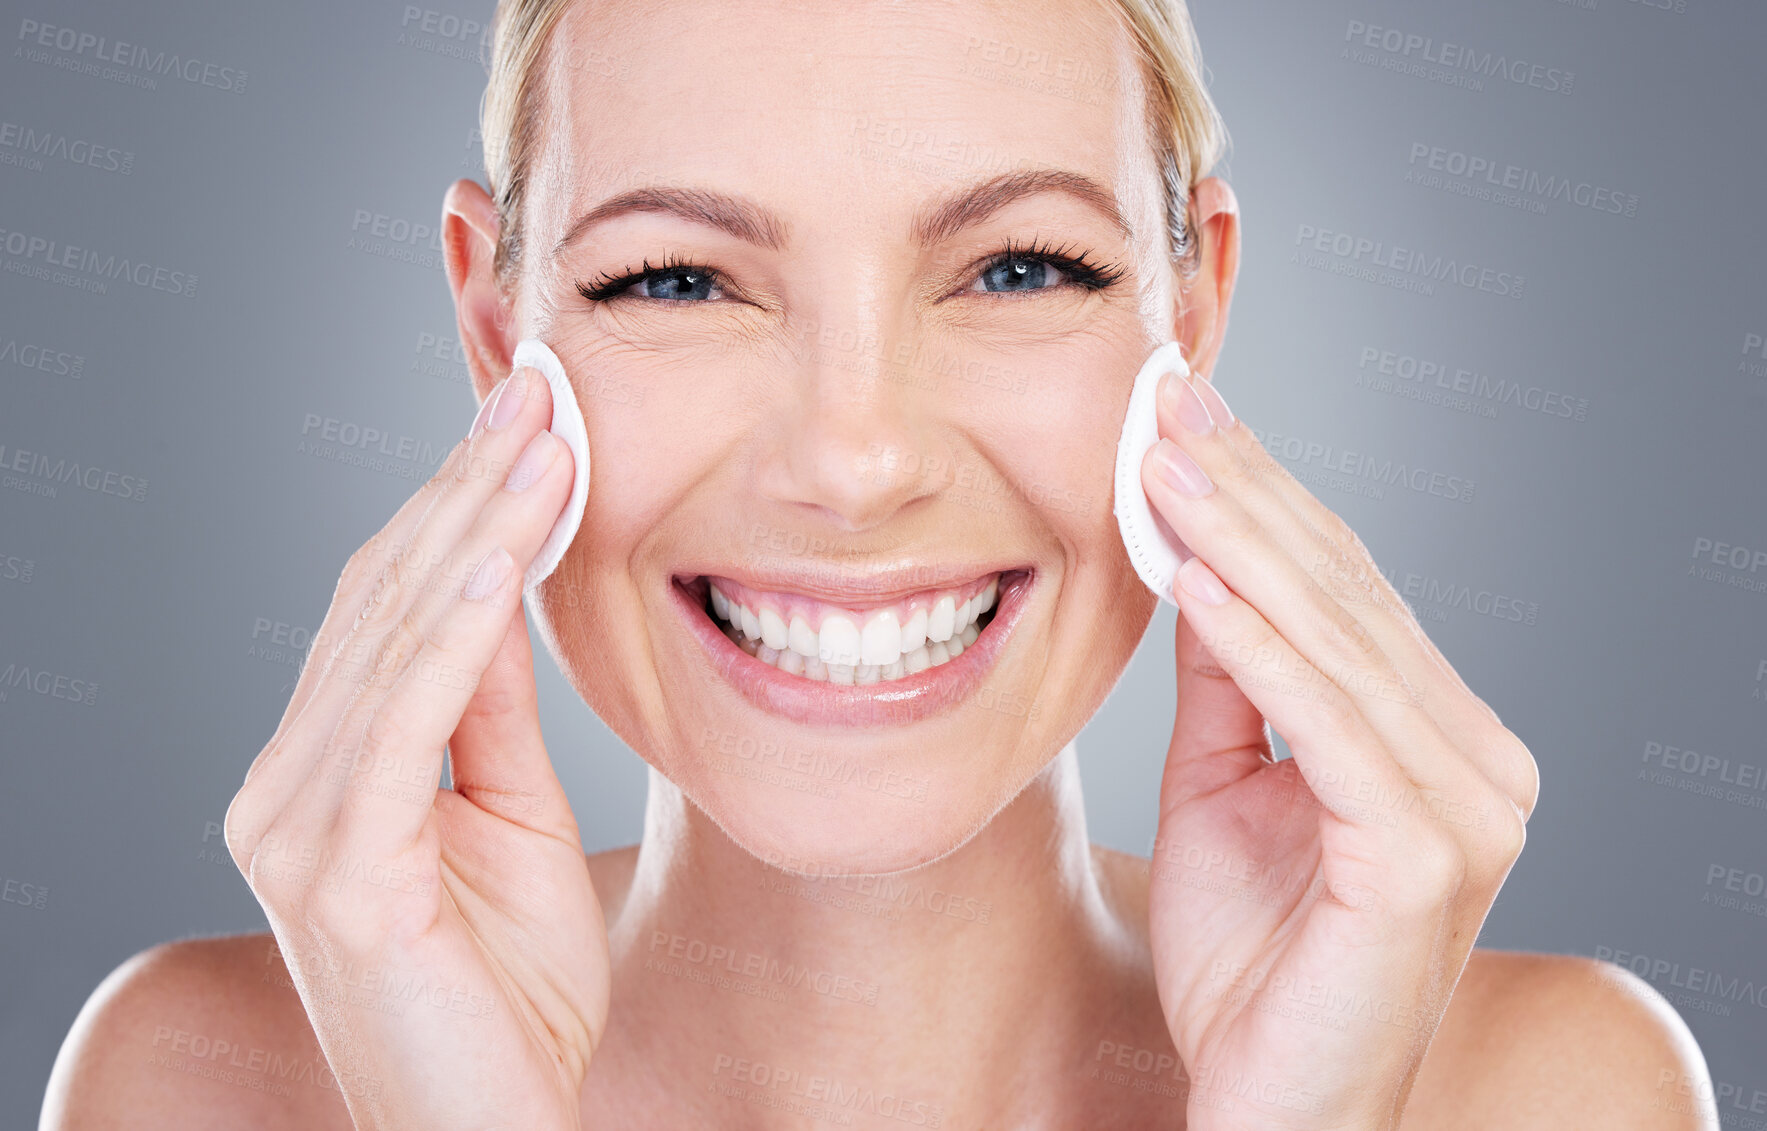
[[989, 958]]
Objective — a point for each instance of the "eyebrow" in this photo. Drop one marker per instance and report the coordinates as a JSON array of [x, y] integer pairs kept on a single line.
[[753, 224]]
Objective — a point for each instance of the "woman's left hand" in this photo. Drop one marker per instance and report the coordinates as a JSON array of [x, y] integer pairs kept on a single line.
[[1309, 917]]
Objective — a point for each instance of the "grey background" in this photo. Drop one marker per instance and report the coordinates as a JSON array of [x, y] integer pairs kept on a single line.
[[148, 613]]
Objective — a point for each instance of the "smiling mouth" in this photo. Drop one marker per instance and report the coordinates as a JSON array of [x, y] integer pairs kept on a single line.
[[820, 642]]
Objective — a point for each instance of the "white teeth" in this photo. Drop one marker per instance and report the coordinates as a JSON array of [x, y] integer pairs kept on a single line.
[[942, 621], [882, 639], [839, 641], [773, 630], [803, 638], [914, 632], [844, 651]]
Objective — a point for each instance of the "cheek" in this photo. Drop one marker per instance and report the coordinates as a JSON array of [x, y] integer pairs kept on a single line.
[[1046, 433]]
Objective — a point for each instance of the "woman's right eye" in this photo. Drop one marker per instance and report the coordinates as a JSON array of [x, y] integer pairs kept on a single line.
[[666, 284], [680, 283]]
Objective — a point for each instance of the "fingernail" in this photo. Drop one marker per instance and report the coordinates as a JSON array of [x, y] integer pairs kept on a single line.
[[1191, 411], [509, 400], [484, 413], [1178, 471], [534, 461], [1200, 582], [490, 575], [1217, 407]]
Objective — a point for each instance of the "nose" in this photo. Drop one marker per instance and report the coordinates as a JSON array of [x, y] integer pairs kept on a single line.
[[854, 438]]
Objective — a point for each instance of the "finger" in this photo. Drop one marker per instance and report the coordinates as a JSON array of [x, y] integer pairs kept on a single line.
[[497, 755], [1332, 744], [1351, 768], [1349, 639], [379, 640], [457, 632], [365, 566], [1218, 735], [1340, 563], [1242, 553]]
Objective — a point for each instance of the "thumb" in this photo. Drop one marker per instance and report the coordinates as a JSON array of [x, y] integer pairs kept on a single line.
[[1218, 736], [497, 755]]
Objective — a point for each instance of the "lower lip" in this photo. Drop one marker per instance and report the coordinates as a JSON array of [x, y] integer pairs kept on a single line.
[[885, 703]]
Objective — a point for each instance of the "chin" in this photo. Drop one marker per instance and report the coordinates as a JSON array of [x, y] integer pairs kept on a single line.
[[857, 831], [842, 722]]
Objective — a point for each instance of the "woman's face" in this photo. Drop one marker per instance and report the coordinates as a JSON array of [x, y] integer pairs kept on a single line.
[[852, 405]]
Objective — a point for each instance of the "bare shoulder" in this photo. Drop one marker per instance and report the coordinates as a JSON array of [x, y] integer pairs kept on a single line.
[[211, 1033], [1555, 1041], [1530, 1042], [198, 1033]]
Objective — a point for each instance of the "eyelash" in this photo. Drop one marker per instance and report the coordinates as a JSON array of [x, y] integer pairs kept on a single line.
[[1079, 269]]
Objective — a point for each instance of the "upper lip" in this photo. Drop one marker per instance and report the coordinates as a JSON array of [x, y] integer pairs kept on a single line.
[[843, 585]]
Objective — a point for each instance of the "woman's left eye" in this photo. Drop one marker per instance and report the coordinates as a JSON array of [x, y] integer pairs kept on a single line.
[[1018, 274], [679, 283], [1018, 270]]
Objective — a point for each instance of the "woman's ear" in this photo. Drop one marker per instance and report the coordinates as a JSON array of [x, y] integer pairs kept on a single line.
[[469, 241], [1203, 299]]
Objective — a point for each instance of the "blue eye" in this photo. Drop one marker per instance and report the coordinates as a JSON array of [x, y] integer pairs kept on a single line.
[[1020, 274], [672, 282], [1017, 269]]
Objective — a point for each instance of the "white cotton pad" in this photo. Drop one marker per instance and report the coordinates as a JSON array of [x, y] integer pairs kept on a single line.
[[1154, 549], [567, 425]]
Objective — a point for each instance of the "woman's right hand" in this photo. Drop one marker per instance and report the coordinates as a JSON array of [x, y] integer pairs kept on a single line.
[[447, 943]]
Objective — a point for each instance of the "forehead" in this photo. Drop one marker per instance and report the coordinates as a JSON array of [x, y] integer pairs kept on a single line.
[[817, 108]]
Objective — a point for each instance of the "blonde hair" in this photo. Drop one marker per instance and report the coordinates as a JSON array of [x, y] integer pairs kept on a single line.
[[1188, 135]]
